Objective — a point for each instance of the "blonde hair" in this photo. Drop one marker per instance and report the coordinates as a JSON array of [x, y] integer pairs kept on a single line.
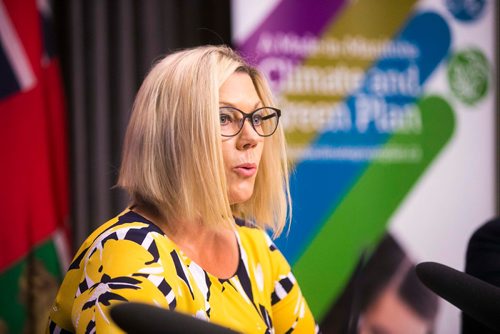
[[172, 158]]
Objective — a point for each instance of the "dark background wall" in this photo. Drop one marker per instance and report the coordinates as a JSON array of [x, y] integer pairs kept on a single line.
[[106, 48]]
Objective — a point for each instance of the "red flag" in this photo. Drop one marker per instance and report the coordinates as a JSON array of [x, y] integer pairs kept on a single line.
[[34, 202]]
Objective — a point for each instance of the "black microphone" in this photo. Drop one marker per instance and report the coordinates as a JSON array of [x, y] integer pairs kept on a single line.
[[478, 299], [135, 318]]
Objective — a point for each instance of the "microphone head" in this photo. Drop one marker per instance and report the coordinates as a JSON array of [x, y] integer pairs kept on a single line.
[[478, 299], [135, 318]]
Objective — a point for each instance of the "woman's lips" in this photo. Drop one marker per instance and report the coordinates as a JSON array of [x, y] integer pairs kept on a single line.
[[246, 170]]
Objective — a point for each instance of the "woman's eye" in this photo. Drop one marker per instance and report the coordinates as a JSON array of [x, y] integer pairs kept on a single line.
[[257, 120], [224, 119]]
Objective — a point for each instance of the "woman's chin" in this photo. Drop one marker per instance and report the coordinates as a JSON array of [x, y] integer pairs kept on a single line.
[[239, 196]]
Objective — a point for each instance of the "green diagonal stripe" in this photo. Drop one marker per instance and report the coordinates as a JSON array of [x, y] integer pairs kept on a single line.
[[362, 216]]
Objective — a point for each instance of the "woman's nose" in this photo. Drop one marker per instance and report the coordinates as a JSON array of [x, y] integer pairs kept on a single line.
[[248, 137]]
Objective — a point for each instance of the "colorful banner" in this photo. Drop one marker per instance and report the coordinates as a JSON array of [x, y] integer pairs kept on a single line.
[[34, 170], [382, 102]]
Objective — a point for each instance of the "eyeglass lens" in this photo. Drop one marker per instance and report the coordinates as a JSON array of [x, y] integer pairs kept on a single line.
[[263, 120]]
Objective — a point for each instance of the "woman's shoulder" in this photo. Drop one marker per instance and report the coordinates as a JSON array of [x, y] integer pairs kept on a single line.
[[127, 226]]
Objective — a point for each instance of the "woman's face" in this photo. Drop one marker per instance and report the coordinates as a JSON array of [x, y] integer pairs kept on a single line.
[[242, 152], [390, 314]]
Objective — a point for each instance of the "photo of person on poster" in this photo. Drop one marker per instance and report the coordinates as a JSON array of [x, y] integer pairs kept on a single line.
[[383, 296]]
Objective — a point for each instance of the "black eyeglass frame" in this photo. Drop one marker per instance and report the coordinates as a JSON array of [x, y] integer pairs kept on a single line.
[[249, 116]]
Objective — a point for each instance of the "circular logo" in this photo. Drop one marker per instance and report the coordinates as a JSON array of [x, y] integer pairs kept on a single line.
[[468, 72], [465, 10]]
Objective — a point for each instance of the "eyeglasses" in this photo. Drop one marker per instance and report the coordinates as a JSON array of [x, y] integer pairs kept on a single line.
[[263, 120]]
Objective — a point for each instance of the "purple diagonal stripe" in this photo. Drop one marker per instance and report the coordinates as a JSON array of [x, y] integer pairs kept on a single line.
[[301, 17], [292, 22]]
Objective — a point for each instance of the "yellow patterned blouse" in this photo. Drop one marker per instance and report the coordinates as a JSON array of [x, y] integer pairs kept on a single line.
[[131, 259]]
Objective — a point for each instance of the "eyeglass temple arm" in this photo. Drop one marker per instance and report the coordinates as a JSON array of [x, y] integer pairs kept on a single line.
[[269, 116]]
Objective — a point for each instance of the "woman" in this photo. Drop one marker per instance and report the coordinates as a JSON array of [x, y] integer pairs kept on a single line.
[[204, 162]]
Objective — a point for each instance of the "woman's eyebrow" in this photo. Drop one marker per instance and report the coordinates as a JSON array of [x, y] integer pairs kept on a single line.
[[226, 103], [232, 105]]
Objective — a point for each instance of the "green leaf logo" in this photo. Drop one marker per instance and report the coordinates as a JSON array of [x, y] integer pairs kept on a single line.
[[468, 72]]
